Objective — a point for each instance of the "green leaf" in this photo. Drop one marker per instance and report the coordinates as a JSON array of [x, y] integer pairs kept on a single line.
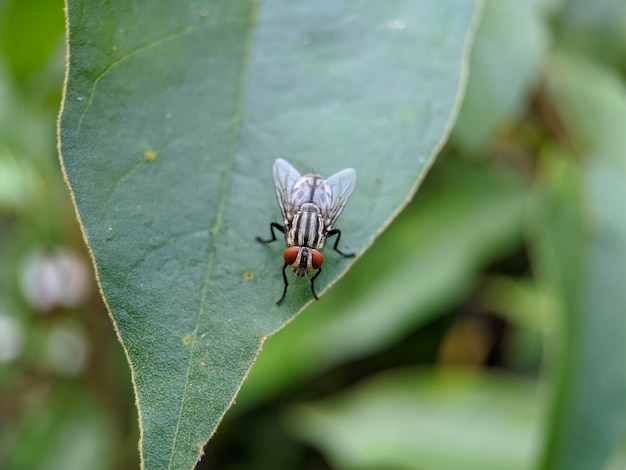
[[581, 253], [579, 264], [68, 431], [593, 29], [503, 69], [172, 117], [591, 102], [29, 30], [439, 420]]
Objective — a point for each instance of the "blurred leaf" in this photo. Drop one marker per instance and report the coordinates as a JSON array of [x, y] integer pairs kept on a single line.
[[503, 69], [523, 302], [25, 130], [172, 117], [65, 432], [407, 419], [29, 30], [596, 30], [581, 253], [419, 266], [17, 182], [581, 257], [618, 459], [591, 102], [532, 312]]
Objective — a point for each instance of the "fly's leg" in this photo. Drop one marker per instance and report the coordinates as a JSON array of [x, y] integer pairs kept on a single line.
[[273, 226], [282, 297], [282, 229], [312, 281], [338, 233]]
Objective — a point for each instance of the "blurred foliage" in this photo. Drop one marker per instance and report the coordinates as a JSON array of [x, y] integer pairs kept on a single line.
[[491, 312]]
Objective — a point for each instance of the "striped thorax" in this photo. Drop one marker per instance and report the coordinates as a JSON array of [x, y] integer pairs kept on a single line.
[[307, 227]]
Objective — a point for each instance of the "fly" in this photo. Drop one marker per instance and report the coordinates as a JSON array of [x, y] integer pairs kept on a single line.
[[310, 206]]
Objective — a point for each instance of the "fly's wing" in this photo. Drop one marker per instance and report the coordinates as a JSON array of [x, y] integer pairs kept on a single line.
[[285, 176], [309, 189], [337, 189]]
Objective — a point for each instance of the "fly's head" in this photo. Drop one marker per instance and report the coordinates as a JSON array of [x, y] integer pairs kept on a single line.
[[303, 260]]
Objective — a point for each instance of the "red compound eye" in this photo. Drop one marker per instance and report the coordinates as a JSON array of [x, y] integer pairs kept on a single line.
[[291, 254], [317, 259]]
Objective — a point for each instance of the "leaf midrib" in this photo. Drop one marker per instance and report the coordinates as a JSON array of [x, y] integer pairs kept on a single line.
[[227, 179]]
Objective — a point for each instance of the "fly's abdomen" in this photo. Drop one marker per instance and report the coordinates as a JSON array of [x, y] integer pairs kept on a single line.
[[307, 228]]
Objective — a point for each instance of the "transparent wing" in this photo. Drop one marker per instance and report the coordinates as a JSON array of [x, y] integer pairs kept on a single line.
[[338, 189], [285, 176], [309, 188]]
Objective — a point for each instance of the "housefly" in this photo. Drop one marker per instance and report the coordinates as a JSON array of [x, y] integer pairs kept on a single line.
[[310, 206]]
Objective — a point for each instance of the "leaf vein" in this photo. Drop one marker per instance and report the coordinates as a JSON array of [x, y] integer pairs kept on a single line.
[[156, 43], [238, 112]]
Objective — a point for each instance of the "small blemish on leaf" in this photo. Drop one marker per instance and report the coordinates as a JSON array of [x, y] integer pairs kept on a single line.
[[203, 362], [149, 155], [248, 275], [187, 339]]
